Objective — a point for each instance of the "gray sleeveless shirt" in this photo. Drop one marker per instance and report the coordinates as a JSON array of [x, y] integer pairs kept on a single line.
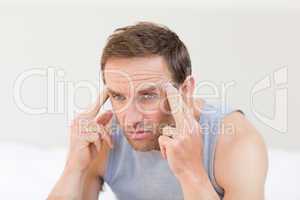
[[134, 175]]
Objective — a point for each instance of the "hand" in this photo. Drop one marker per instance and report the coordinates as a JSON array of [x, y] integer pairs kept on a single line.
[[182, 145], [88, 131]]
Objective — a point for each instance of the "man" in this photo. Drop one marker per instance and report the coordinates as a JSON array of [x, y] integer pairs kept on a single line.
[[159, 142]]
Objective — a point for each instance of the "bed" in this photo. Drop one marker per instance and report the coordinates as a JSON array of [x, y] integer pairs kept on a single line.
[[29, 172]]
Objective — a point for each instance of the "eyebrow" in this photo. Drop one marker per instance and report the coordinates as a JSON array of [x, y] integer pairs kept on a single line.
[[113, 92], [147, 89], [143, 90]]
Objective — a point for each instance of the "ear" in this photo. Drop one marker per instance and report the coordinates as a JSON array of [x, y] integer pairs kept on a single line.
[[187, 90]]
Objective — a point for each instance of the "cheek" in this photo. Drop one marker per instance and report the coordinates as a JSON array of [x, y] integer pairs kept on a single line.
[[157, 117], [159, 113]]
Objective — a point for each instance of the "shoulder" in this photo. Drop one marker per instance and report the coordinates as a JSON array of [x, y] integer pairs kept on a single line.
[[241, 153]]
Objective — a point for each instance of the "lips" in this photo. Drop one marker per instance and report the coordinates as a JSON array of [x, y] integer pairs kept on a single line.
[[140, 135]]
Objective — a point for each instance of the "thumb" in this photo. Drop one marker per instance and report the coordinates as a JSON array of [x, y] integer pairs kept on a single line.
[[164, 142], [104, 122], [104, 118]]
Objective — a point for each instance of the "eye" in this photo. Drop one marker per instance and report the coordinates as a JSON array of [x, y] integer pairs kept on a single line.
[[118, 97], [149, 96]]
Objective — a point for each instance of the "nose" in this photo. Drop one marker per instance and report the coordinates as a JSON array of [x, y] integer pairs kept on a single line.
[[133, 116]]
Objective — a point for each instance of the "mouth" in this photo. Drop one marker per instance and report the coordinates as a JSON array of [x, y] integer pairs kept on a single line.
[[140, 135]]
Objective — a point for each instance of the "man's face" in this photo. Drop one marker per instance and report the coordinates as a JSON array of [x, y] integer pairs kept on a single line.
[[138, 99]]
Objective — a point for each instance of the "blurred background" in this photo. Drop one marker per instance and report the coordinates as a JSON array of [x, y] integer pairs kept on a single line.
[[244, 54]]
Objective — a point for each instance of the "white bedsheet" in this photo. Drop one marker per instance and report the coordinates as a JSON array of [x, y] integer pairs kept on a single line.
[[28, 172]]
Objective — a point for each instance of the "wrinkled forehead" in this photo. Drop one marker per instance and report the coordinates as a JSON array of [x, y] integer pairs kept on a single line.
[[132, 75]]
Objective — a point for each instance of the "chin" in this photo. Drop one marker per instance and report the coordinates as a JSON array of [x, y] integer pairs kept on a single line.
[[143, 146], [141, 149]]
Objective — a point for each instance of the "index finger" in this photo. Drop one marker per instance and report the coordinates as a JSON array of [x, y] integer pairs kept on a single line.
[[101, 99], [176, 103]]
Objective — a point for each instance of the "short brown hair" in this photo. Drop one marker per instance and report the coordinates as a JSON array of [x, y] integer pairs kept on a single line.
[[146, 39]]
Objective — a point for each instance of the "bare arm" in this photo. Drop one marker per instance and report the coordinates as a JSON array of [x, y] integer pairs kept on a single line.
[[90, 142], [240, 167], [92, 188], [241, 160], [77, 184], [74, 185], [94, 181]]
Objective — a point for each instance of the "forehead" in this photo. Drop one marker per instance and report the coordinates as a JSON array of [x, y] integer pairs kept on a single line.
[[121, 74]]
